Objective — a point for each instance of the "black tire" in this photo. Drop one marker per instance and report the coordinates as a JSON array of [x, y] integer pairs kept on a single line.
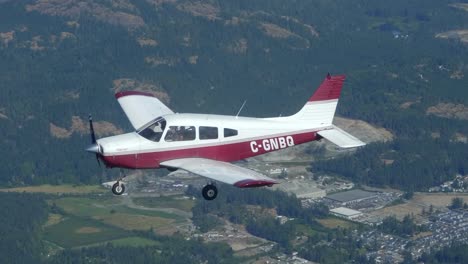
[[118, 188], [209, 192]]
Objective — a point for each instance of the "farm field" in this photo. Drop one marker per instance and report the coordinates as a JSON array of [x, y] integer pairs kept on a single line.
[[91, 220], [58, 189], [333, 222], [165, 202], [420, 201], [76, 231]]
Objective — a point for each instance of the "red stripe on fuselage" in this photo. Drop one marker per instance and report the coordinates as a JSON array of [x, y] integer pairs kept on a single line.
[[225, 152]]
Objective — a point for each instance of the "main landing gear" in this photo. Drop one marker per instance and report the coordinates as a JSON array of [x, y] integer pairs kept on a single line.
[[210, 192]]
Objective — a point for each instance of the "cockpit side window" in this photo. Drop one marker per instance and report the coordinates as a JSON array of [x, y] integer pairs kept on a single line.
[[154, 131], [180, 133]]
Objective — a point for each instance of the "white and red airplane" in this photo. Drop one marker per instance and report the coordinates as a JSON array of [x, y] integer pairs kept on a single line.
[[205, 144]]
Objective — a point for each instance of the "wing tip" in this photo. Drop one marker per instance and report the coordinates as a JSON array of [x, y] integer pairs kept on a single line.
[[249, 183], [128, 93]]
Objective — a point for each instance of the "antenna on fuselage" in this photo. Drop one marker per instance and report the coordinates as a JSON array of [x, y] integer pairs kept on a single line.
[[242, 107]]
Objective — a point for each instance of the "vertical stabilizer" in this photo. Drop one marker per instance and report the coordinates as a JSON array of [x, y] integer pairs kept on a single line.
[[320, 108]]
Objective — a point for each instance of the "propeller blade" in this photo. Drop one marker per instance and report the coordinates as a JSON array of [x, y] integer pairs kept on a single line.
[[95, 148], [91, 129], [98, 161]]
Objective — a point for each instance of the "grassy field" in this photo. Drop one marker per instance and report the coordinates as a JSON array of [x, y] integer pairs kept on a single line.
[[53, 219], [104, 206], [166, 202], [88, 220], [420, 201], [58, 189], [76, 231], [437, 199], [133, 241], [135, 222], [333, 222]]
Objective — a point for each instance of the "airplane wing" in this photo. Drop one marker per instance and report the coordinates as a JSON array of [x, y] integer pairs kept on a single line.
[[221, 171], [341, 138], [141, 107]]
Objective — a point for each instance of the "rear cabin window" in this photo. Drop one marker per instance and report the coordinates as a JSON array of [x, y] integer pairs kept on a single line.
[[228, 132], [180, 133], [208, 132]]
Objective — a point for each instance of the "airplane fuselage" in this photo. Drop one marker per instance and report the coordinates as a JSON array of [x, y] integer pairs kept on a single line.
[[229, 139]]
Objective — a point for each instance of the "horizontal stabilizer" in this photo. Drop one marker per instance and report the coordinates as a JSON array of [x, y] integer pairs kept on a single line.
[[341, 138]]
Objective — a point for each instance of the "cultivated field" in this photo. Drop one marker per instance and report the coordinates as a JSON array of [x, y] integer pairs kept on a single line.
[[89, 220], [58, 189], [437, 199], [415, 206], [165, 202], [333, 222], [76, 231]]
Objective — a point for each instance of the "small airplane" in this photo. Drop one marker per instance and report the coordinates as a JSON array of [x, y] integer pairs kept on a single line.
[[205, 144]]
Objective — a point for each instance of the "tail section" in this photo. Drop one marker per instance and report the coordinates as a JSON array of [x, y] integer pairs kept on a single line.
[[317, 114], [320, 109]]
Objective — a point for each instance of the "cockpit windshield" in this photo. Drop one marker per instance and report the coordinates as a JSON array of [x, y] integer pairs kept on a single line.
[[154, 131]]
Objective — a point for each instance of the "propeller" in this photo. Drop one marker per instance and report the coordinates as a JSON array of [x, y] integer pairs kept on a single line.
[[91, 129], [94, 147]]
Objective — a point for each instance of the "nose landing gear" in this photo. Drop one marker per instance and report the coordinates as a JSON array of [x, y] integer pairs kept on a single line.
[[118, 188], [209, 192]]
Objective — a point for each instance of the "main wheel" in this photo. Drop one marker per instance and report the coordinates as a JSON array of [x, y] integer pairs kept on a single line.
[[209, 192], [118, 188]]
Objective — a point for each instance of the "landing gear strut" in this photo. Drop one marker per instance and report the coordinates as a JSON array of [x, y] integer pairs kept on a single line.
[[209, 192]]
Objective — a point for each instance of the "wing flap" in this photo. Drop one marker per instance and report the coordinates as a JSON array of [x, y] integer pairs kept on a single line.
[[141, 107], [221, 171], [341, 138]]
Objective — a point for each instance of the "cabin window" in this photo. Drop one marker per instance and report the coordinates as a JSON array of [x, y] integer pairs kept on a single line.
[[180, 133], [230, 132], [208, 132], [154, 131]]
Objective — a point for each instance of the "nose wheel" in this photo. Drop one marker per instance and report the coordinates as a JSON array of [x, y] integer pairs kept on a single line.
[[118, 188], [209, 192]]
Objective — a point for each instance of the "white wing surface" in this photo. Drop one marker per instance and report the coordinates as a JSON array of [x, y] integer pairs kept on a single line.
[[141, 107], [341, 138], [221, 171]]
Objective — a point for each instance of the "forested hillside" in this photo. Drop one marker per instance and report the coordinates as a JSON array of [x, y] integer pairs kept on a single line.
[[406, 67]]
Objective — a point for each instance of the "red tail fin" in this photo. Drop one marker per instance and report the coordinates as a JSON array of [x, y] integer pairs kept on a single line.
[[329, 89]]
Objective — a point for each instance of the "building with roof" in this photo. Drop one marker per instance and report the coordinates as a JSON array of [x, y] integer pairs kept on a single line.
[[352, 196], [347, 213]]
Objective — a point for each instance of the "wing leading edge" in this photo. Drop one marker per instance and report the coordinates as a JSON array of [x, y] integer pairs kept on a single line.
[[221, 171], [141, 107]]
